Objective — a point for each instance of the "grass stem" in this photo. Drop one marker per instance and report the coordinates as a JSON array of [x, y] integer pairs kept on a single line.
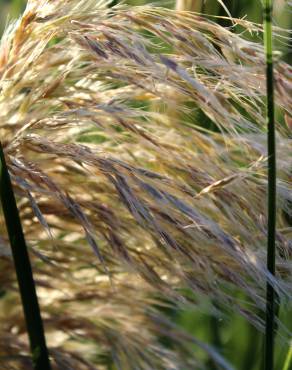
[[23, 269], [271, 294], [288, 358]]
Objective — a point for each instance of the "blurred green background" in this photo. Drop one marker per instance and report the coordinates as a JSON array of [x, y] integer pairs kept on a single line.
[[235, 339]]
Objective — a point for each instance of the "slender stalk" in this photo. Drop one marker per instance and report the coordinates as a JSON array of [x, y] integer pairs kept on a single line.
[[222, 12], [271, 294], [23, 271], [288, 358]]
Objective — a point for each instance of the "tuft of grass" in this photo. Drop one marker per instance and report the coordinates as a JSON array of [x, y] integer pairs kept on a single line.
[[162, 213]]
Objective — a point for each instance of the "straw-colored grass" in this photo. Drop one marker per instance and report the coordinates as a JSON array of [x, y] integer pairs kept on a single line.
[[125, 207]]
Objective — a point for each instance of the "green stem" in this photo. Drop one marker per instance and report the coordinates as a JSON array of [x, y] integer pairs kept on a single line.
[[271, 294], [23, 270], [203, 7], [288, 358]]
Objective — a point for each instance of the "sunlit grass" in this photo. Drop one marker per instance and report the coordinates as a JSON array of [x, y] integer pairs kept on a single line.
[[139, 161]]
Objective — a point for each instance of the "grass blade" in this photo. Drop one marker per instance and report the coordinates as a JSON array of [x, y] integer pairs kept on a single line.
[[271, 295], [288, 358], [23, 270]]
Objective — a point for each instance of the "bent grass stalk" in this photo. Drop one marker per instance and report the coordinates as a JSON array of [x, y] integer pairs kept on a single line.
[[271, 294], [23, 270]]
